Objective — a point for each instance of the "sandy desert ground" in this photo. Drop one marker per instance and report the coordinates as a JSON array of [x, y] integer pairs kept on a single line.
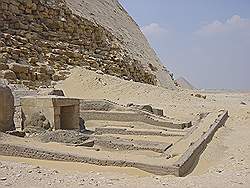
[[225, 162]]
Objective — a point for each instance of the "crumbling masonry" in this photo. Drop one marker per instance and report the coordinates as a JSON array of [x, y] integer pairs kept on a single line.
[[40, 40]]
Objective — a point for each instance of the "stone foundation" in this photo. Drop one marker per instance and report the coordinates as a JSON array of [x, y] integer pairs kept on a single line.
[[180, 167]]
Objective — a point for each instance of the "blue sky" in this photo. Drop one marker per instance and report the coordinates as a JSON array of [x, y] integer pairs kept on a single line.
[[206, 41]]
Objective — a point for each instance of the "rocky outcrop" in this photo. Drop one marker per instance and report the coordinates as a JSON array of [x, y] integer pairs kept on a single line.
[[6, 108], [42, 39]]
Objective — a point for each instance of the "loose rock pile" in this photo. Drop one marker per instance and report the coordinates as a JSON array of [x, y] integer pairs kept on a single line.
[[40, 40]]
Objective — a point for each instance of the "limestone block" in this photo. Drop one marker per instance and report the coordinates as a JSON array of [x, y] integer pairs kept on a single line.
[[158, 112], [13, 9], [9, 75], [19, 68], [41, 76], [36, 122], [23, 76], [61, 112], [3, 66], [28, 3], [6, 108], [57, 77]]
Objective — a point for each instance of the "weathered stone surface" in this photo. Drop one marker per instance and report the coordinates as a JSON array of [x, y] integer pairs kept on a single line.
[[40, 40], [115, 19], [18, 68], [56, 92], [16, 133], [36, 122], [6, 108], [3, 66], [112, 142], [9, 75], [50, 112]]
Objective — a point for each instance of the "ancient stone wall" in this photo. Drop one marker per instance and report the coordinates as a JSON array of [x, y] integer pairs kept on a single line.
[[132, 117], [189, 158], [40, 40], [36, 153]]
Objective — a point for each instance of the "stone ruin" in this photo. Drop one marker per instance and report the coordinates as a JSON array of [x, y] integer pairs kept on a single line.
[[37, 113], [116, 135], [51, 112]]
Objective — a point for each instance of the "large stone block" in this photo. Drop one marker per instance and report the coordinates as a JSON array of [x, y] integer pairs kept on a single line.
[[6, 108], [9, 75], [19, 68], [3, 66]]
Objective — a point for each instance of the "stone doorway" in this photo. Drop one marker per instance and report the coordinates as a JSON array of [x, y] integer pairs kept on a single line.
[[66, 120]]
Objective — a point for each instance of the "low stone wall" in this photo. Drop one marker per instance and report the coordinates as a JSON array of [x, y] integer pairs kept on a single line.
[[188, 160], [100, 105], [41, 40], [124, 131], [34, 153], [130, 116], [114, 143]]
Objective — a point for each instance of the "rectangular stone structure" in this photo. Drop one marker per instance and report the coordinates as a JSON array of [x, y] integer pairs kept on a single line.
[[62, 112]]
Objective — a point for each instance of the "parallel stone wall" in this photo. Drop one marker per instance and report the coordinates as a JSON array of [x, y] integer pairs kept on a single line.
[[35, 153], [115, 143], [190, 157], [124, 131], [40, 40], [132, 117]]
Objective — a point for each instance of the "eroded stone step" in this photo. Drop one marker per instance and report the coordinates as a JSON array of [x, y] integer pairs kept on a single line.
[[131, 144]]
